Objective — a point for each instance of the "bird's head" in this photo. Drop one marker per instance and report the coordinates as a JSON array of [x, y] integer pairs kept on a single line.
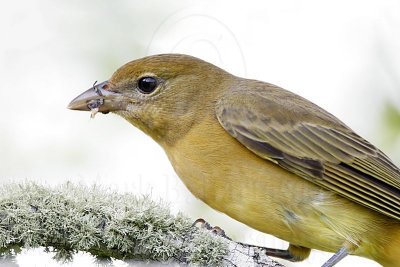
[[163, 95]]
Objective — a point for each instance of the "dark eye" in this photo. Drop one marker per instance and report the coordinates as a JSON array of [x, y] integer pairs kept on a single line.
[[147, 85]]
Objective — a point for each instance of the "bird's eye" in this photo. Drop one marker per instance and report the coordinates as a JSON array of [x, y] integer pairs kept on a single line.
[[147, 85]]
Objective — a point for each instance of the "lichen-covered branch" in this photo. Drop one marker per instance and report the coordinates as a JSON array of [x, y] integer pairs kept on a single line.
[[108, 224]]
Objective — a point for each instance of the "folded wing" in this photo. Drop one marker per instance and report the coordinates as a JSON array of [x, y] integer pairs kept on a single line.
[[308, 141]]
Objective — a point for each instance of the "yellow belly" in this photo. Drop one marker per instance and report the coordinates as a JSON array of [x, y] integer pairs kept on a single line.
[[230, 178]]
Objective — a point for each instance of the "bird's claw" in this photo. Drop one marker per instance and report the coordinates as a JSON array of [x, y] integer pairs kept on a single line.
[[201, 223]]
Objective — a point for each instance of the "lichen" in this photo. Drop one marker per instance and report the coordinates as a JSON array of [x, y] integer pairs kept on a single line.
[[71, 218]]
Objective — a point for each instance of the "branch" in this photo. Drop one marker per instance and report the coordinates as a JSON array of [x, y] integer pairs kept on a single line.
[[107, 224]]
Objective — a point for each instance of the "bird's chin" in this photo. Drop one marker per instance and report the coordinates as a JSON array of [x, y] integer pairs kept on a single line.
[[127, 115]]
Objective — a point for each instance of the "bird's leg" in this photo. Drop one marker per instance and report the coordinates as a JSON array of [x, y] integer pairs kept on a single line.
[[338, 256], [292, 253]]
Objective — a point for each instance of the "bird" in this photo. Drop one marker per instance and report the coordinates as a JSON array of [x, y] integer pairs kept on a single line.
[[261, 154]]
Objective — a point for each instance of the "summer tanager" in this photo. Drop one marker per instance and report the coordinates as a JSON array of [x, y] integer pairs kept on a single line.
[[263, 155]]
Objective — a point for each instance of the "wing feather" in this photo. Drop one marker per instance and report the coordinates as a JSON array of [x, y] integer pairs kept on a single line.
[[308, 141]]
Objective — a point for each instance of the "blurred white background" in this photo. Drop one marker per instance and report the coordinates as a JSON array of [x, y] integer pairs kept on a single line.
[[342, 55]]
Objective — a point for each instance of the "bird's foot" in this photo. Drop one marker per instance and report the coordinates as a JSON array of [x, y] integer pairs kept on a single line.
[[201, 223], [293, 253]]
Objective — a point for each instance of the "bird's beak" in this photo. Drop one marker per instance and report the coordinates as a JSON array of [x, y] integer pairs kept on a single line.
[[99, 97]]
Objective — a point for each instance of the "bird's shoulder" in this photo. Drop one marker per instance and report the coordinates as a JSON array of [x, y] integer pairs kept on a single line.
[[278, 104]]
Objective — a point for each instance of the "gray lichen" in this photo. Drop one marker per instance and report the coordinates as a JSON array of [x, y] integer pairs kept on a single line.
[[105, 223]]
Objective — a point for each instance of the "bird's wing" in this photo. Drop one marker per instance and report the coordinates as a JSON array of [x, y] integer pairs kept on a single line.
[[308, 141]]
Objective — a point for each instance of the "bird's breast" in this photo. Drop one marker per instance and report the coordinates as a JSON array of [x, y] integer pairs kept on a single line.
[[228, 177]]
